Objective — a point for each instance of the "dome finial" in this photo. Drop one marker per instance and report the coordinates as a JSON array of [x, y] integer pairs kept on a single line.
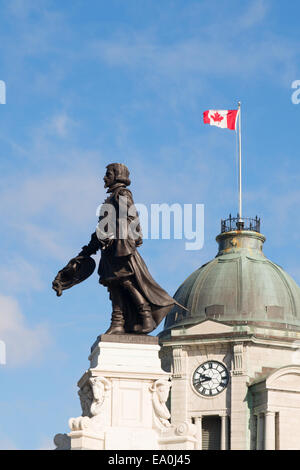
[[240, 223]]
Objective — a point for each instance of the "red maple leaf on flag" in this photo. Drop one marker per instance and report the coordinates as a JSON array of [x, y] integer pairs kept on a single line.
[[217, 117]]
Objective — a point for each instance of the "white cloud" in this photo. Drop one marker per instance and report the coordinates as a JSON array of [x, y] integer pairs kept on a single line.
[[7, 444], [219, 50], [44, 240], [256, 12], [18, 275], [46, 444], [61, 124], [24, 8], [46, 210], [36, 26], [243, 16], [203, 57], [24, 344]]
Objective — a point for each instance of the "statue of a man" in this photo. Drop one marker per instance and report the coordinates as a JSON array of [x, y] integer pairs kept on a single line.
[[139, 304]]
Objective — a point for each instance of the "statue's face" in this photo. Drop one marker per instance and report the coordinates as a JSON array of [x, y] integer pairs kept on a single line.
[[108, 178]]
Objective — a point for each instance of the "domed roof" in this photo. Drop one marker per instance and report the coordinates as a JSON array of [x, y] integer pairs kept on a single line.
[[240, 285]]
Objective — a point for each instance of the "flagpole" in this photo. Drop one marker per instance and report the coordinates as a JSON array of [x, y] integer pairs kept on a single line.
[[240, 164]]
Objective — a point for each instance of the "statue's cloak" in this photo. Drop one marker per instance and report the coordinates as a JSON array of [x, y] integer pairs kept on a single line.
[[134, 266]]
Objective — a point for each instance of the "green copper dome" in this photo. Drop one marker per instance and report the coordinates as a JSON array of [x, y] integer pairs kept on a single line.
[[239, 286]]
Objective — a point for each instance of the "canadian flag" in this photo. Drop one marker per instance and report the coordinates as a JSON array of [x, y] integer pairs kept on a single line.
[[225, 118]]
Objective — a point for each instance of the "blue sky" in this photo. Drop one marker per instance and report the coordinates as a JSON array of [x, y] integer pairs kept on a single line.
[[93, 82]]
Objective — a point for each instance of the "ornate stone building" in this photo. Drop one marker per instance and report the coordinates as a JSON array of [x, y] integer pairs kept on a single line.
[[234, 356]]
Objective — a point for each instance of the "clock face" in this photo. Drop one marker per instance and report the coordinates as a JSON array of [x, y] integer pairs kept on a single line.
[[210, 378]]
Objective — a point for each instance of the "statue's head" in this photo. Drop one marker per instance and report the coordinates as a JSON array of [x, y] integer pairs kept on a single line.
[[116, 173]]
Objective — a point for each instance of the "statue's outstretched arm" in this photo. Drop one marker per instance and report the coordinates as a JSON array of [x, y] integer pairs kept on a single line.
[[78, 269], [92, 247]]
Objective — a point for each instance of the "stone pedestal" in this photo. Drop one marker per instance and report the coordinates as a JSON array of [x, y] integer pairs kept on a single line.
[[123, 398]]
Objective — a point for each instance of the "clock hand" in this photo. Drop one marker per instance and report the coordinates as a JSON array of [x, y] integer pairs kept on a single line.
[[203, 378]]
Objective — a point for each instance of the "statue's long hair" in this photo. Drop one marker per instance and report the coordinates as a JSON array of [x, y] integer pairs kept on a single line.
[[121, 173]]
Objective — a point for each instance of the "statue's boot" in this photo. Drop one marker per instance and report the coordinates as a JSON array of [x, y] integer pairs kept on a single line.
[[147, 323], [117, 324], [117, 316]]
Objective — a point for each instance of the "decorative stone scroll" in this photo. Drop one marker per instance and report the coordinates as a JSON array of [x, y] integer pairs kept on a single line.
[[160, 393]]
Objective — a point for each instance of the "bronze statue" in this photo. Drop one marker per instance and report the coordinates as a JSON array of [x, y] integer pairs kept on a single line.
[[139, 304]]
